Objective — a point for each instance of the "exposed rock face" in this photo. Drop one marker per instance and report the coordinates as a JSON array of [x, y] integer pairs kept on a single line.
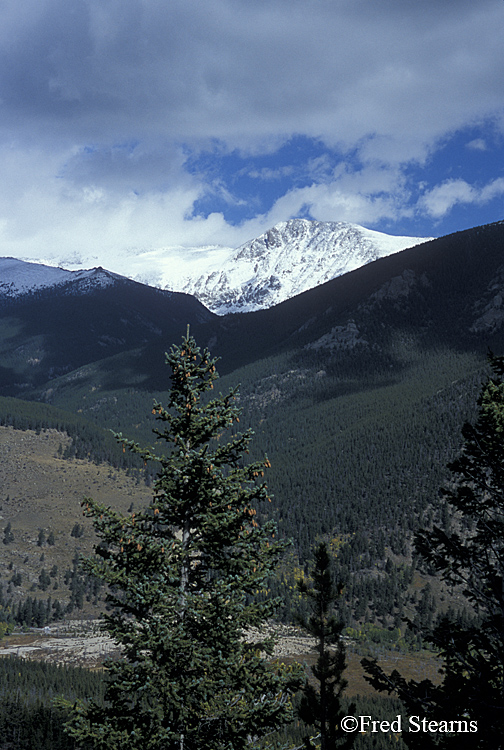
[[400, 286], [490, 308], [340, 337]]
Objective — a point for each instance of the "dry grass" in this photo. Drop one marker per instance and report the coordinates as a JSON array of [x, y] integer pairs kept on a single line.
[[39, 490]]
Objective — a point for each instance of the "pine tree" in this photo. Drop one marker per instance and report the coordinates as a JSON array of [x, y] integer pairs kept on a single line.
[[469, 556], [183, 579], [8, 534], [44, 580], [322, 707]]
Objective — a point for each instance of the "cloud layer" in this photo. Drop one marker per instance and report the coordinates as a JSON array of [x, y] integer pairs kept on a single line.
[[107, 106]]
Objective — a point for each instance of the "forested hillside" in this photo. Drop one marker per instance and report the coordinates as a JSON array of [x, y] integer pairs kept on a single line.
[[356, 390]]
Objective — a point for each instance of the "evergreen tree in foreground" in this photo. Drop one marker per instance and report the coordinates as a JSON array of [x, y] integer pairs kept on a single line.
[[469, 556], [322, 707], [183, 577]]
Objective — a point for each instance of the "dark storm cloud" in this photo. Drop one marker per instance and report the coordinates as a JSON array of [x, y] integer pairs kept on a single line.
[[102, 100], [248, 71]]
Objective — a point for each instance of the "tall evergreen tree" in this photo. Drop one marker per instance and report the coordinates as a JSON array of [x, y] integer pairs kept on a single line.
[[322, 707], [183, 579], [469, 556]]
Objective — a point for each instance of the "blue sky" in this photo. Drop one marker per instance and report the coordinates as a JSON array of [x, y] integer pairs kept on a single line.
[[136, 124], [444, 195]]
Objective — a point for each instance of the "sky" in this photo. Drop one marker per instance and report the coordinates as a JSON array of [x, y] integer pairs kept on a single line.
[[127, 125]]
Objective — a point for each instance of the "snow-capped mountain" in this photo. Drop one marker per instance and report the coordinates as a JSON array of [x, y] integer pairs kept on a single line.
[[19, 277], [290, 258]]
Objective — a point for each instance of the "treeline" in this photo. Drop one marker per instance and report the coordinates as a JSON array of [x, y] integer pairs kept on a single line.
[[369, 462], [358, 445], [32, 612], [30, 717], [359, 455], [89, 441]]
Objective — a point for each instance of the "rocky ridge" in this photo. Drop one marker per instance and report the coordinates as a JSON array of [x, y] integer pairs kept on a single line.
[[289, 259]]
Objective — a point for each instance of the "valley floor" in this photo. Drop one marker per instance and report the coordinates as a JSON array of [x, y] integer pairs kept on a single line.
[[82, 643]]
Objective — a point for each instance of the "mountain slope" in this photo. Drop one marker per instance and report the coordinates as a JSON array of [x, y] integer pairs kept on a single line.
[[290, 258], [96, 316], [449, 290], [19, 277], [446, 290]]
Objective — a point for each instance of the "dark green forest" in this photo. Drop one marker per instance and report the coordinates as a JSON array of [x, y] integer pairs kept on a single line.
[[29, 717]]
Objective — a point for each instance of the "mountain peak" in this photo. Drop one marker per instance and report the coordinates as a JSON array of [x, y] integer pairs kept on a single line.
[[290, 258]]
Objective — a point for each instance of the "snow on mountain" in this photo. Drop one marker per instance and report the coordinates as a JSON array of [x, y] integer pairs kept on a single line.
[[290, 258], [19, 277]]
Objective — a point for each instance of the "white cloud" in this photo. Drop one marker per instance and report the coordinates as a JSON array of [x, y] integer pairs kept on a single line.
[[442, 198], [478, 144], [101, 102], [363, 197], [492, 190], [266, 173]]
